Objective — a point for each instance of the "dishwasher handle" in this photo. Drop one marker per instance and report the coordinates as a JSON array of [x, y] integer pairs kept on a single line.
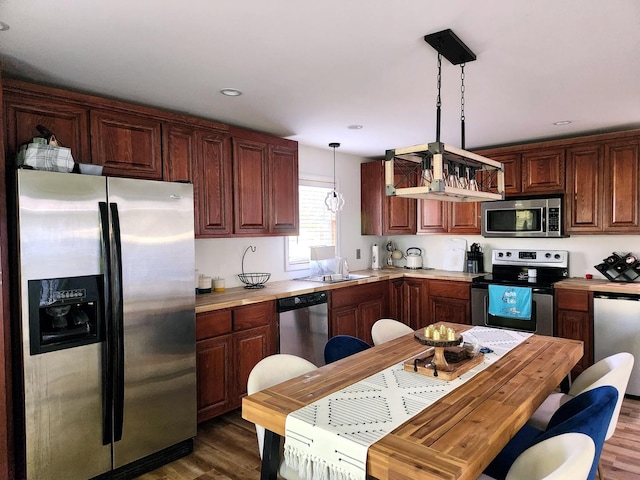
[[617, 296], [301, 301]]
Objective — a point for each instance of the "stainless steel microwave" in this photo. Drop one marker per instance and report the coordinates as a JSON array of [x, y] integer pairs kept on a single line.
[[539, 217]]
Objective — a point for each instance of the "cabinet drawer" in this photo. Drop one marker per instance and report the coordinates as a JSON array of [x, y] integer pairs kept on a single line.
[[257, 315], [356, 295], [461, 290], [211, 324], [573, 300]]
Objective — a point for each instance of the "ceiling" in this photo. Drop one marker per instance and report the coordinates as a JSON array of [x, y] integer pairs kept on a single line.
[[308, 70]]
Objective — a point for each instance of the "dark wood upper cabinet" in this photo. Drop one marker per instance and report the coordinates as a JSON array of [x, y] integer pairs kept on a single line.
[[622, 197], [433, 216], [283, 190], [383, 214], [179, 148], [69, 122], [583, 201], [126, 144], [250, 178], [213, 184], [543, 171]]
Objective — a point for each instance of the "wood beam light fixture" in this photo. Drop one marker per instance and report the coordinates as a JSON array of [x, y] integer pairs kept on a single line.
[[436, 170]]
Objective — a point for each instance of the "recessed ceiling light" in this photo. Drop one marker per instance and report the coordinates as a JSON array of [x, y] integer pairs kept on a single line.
[[562, 122], [231, 92], [3, 27], [354, 127]]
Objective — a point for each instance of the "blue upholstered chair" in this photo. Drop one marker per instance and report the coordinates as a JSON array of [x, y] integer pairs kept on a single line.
[[588, 413], [342, 346]]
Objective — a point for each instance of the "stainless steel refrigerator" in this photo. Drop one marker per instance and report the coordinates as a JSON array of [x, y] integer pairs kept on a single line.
[[107, 323]]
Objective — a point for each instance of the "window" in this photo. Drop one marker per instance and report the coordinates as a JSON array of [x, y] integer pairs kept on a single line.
[[318, 226]]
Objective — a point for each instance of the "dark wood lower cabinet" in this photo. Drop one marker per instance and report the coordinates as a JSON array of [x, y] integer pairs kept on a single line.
[[229, 343], [415, 293], [574, 319], [354, 310], [449, 301]]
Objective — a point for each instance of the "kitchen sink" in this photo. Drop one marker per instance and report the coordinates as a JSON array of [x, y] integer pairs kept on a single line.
[[328, 279]]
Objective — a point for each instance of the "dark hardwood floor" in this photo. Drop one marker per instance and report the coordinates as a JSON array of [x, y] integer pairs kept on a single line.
[[226, 448]]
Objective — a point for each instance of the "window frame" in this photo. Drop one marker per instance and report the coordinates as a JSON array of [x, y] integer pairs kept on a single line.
[[312, 181]]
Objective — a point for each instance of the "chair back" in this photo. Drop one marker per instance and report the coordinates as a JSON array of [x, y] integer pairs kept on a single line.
[[273, 370], [614, 370], [342, 346], [568, 456], [589, 413], [387, 329]]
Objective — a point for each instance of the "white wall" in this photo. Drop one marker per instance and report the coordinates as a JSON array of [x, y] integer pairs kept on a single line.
[[222, 257]]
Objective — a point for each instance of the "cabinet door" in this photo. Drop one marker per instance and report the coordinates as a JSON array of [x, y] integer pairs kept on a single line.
[[584, 190], [382, 214], [283, 185], [396, 300], [127, 145], [213, 184], [250, 175], [622, 197], [449, 302], [68, 122], [179, 147], [465, 217], [399, 214], [344, 321], [415, 294], [213, 366], [369, 313], [249, 347], [577, 326], [432, 216], [543, 171]]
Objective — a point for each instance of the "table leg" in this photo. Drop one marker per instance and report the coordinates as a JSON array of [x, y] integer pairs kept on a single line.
[[270, 456]]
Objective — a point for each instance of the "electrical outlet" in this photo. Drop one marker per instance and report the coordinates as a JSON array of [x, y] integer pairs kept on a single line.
[[357, 254]]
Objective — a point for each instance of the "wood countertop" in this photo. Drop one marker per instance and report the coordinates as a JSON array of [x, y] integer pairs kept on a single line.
[[238, 296], [595, 285]]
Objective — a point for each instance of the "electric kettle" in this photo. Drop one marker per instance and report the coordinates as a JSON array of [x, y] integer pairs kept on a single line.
[[414, 258]]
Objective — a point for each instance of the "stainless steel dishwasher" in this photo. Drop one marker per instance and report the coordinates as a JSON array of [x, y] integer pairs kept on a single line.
[[616, 328], [303, 326]]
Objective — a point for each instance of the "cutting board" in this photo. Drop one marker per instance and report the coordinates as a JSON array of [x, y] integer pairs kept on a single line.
[[455, 251]]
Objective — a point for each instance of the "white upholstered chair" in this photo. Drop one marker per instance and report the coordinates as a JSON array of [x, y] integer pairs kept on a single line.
[[564, 457], [614, 370], [387, 329], [268, 372]]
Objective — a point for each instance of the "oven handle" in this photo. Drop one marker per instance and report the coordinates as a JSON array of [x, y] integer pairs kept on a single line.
[[540, 290]]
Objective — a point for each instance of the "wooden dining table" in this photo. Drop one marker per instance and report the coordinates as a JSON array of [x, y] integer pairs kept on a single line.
[[454, 438]]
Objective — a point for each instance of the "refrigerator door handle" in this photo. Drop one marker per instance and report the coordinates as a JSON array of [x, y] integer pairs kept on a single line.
[[118, 322], [107, 347]]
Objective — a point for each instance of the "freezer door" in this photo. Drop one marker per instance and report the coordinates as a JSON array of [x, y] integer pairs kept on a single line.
[[59, 236], [158, 303]]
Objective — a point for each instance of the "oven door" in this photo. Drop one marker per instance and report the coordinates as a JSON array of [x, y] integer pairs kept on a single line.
[[541, 321]]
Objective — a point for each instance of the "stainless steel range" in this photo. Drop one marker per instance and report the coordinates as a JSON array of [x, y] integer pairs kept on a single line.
[[536, 269]]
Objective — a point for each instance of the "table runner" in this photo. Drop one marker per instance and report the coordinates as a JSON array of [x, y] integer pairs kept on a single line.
[[329, 438]]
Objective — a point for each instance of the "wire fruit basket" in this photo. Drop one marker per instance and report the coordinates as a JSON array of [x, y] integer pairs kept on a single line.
[[252, 280]]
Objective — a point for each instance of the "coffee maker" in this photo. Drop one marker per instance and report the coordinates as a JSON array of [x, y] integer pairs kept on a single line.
[[475, 259]]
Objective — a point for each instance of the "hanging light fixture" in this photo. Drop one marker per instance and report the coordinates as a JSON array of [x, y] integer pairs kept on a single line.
[[444, 172], [334, 199]]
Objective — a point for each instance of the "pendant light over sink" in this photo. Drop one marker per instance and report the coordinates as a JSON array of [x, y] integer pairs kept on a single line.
[[334, 199], [440, 171]]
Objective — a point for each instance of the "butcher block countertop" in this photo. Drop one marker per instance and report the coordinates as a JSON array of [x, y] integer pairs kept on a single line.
[[599, 286], [238, 296]]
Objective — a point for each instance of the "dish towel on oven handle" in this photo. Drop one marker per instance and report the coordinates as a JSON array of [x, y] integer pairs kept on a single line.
[[329, 438], [511, 302]]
